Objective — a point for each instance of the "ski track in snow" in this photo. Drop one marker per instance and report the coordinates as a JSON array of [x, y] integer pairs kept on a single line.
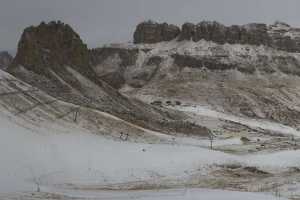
[[263, 124]]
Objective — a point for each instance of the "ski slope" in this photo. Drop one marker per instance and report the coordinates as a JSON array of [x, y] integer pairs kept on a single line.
[[64, 155], [263, 124]]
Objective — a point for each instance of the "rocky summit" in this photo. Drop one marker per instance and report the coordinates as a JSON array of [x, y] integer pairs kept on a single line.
[[50, 45], [49, 51], [279, 35]]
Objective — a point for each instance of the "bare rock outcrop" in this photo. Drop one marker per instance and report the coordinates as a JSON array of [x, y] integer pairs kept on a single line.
[[210, 31], [188, 31], [152, 32], [5, 60], [285, 37], [51, 44], [254, 33]]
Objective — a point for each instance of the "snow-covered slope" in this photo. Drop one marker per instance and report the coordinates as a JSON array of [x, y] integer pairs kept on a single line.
[[36, 148], [66, 156], [254, 123], [244, 80]]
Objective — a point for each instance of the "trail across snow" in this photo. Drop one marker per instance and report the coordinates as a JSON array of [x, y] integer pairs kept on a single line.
[[263, 124]]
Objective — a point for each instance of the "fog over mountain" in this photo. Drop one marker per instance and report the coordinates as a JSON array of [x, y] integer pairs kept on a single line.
[[106, 21]]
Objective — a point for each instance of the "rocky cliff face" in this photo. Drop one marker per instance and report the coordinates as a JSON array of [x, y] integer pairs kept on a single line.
[[5, 60], [255, 34], [46, 55], [50, 45], [152, 32], [279, 35], [53, 58]]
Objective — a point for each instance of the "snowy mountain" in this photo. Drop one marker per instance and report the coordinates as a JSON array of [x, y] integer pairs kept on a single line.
[[52, 156], [53, 58], [202, 112]]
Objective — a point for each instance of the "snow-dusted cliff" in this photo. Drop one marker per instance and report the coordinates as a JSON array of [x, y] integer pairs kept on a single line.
[[247, 80]]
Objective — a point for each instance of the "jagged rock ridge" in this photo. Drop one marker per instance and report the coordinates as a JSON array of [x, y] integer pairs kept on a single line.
[[279, 35]]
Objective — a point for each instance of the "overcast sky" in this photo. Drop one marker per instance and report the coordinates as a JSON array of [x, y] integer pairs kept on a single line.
[[107, 21]]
